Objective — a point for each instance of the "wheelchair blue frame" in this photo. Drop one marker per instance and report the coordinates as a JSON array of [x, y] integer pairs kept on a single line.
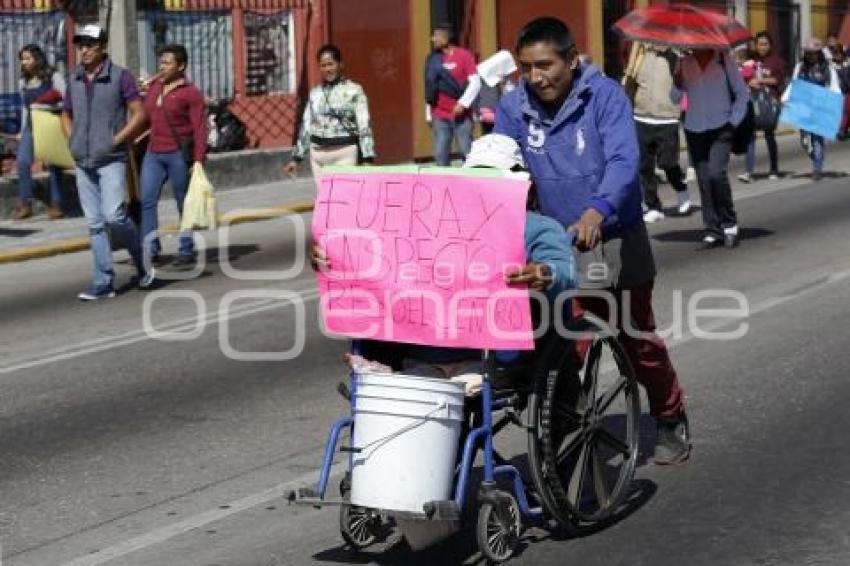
[[482, 434]]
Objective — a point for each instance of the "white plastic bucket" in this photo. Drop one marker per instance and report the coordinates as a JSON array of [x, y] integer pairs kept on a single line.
[[407, 429]]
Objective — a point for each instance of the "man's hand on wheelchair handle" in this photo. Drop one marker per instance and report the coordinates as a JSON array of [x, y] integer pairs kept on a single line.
[[318, 259], [588, 230], [537, 276]]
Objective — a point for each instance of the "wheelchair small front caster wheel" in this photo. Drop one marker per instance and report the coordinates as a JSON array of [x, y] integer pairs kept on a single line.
[[360, 527], [499, 527]]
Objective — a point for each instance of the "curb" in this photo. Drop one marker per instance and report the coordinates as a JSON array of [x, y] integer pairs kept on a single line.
[[73, 245]]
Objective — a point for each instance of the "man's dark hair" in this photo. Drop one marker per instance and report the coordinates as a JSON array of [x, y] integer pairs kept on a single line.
[[446, 27], [331, 50], [177, 50], [547, 30]]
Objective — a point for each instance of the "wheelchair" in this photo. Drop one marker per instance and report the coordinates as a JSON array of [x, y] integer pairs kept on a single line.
[[580, 418]]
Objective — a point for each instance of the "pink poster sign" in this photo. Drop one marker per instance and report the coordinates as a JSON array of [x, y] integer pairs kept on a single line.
[[421, 258]]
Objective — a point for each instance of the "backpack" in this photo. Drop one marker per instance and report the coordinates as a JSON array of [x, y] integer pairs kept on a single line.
[[438, 79]]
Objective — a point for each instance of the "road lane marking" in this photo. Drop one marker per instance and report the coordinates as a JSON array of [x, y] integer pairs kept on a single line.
[[167, 532], [135, 336]]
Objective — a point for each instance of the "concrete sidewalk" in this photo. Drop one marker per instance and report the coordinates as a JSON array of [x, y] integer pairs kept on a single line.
[[40, 237]]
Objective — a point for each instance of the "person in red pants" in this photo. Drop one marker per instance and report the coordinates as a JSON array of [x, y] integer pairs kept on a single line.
[[577, 135]]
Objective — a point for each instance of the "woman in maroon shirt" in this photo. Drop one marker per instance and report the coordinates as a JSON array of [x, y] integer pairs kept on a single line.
[[178, 138], [768, 73]]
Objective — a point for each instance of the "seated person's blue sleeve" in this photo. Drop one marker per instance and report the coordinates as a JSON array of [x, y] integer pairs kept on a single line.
[[546, 241]]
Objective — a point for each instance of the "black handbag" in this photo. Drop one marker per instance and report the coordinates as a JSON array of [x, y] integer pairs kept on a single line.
[[746, 129], [766, 109]]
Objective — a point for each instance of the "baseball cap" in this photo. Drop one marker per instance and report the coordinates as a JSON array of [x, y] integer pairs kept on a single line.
[[495, 150], [90, 32]]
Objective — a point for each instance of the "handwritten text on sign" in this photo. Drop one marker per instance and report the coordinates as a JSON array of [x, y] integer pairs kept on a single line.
[[421, 258]]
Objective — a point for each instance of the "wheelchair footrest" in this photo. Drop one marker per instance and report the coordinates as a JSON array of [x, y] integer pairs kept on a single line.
[[309, 496], [442, 510]]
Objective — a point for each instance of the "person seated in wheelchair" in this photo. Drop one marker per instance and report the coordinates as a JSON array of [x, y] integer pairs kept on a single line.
[[550, 268]]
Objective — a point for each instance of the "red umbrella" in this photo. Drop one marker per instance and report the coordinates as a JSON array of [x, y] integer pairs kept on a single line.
[[682, 25]]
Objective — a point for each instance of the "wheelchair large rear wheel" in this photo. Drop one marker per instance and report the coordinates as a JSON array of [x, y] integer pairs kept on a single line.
[[583, 428]]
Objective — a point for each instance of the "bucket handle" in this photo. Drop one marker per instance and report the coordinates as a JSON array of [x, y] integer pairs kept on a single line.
[[441, 404]]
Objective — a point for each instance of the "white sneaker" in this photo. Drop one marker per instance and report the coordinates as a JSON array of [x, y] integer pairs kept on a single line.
[[653, 216], [690, 175], [773, 177], [683, 199], [148, 280], [745, 178]]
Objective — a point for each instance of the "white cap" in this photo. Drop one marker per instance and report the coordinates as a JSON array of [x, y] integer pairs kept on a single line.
[[495, 150], [90, 31]]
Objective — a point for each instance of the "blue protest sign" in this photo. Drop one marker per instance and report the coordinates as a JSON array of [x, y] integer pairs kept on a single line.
[[813, 108]]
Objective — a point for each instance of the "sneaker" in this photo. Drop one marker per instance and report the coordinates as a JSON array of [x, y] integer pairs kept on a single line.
[[773, 177], [709, 241], [97, 293], [683, 199], [653, 215], [183, 262], [690, 175], [673, 441], [745, 178], [817, 176], [147, 280], [158, 260]]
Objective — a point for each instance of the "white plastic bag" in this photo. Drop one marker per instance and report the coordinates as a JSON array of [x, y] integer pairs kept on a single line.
[[199, 208]]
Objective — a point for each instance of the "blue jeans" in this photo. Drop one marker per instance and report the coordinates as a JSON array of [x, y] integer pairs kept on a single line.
[[443, 131], [814, 147], [156, 168], [25, 157], [772, 152], [102, 192]]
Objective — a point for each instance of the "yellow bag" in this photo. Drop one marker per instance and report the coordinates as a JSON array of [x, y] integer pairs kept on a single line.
[[199, 208], [49, 140]]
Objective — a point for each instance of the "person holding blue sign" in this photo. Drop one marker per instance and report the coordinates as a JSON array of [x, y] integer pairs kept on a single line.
[[815, 69]]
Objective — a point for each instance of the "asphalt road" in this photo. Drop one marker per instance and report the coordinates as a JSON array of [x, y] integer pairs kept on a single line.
[[123, 446]]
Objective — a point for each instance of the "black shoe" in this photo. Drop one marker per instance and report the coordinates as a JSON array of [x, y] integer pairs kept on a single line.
[[817, 176], [183, 262], [673, 442], [158, 260], [708, 242], [730, 240]]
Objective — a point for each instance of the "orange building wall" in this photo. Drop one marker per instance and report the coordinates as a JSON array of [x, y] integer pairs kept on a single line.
[[512, 15], [375, 44]]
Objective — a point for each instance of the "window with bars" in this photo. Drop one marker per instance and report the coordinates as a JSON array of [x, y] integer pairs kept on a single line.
[[269, 49], [208, 39], [45, 29]]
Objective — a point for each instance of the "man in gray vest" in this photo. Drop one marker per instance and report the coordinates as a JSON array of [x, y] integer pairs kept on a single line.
[[99, 95]]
